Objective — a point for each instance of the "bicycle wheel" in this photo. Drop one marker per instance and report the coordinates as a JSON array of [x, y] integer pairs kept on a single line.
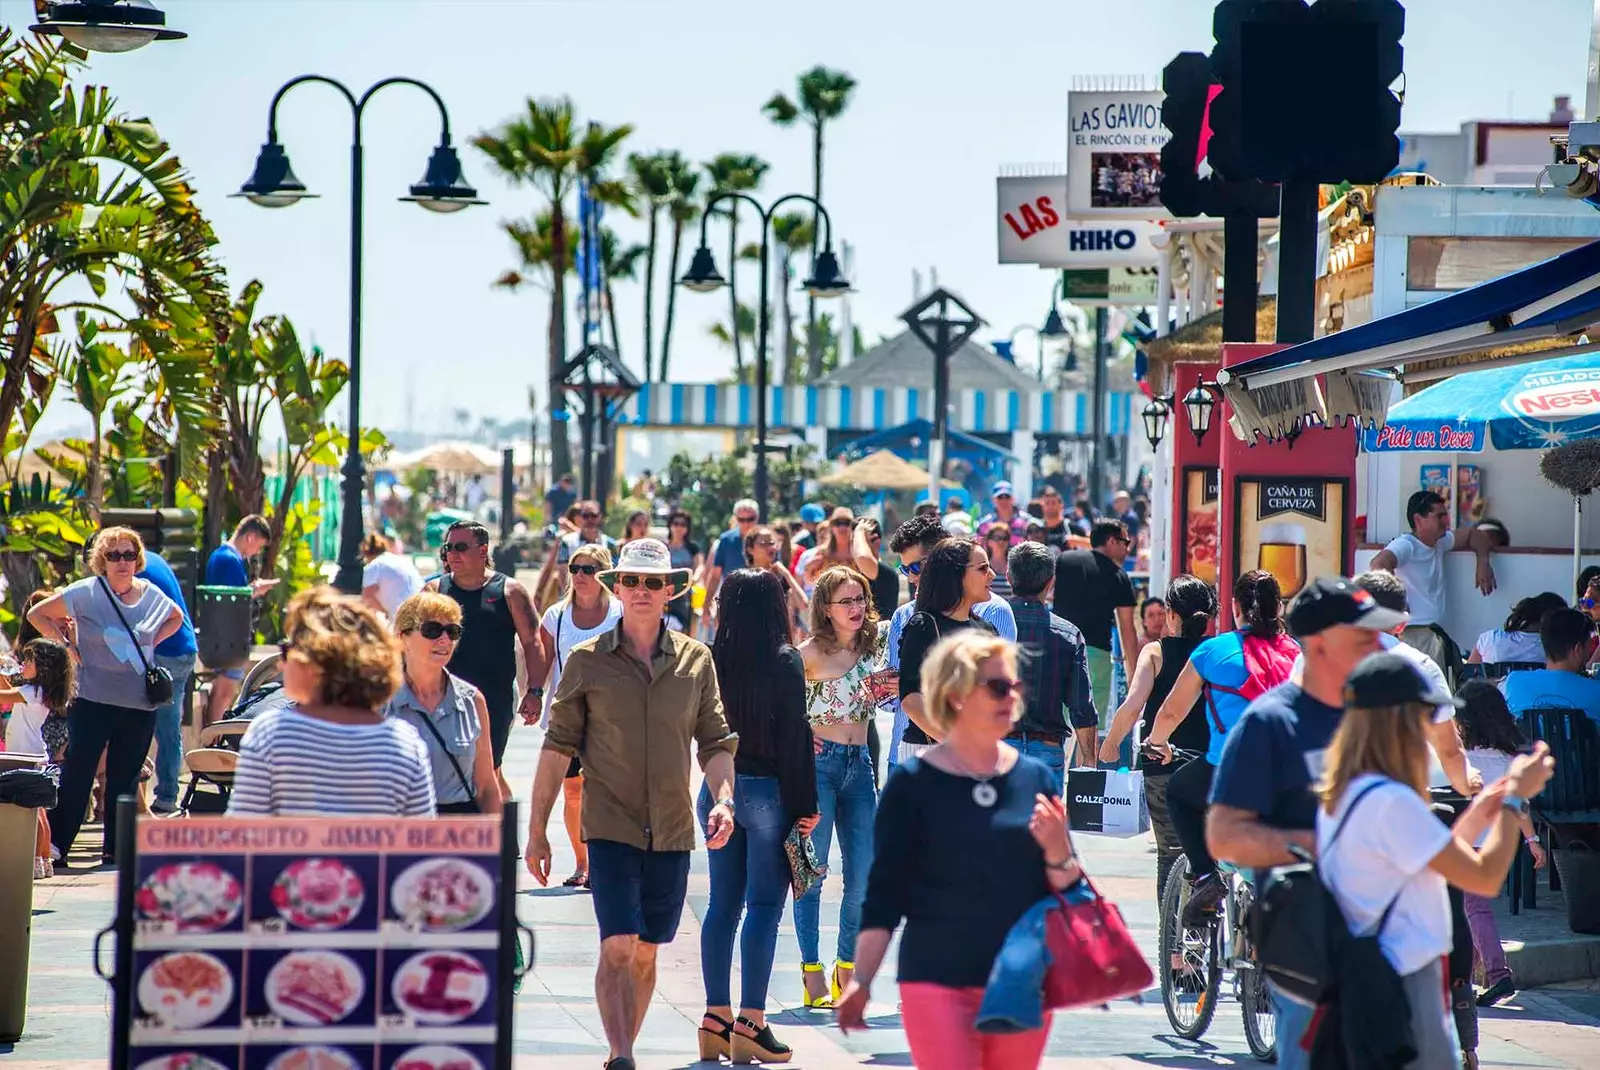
[[1260, 1028], [1191, 973]]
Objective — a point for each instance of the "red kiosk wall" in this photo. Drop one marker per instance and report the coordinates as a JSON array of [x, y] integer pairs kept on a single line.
[[1195, 504], [1289, 509]]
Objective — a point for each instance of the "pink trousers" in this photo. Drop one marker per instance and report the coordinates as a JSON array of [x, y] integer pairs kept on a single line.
[[939, 1024]]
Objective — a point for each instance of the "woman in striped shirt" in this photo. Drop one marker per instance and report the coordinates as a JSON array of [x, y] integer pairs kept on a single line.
[[332, 751]]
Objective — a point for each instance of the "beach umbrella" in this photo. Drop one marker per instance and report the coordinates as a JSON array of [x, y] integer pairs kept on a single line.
[[1574, 468], [883, 470]]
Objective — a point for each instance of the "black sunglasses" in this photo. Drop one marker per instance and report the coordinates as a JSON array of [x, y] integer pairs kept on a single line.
[[578, 568], [843, 523], [433, 629], [588, 516], [122, 555], [1000, 687], [650, 583], [459, 547]]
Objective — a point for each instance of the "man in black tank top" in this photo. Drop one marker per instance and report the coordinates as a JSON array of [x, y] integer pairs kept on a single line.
[[495, 612]]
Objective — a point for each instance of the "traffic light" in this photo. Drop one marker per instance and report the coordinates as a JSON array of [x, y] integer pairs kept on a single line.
[[1190, 185]]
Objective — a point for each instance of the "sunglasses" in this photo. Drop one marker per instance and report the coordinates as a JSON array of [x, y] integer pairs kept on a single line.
[[649, 583], [578, 568], [913, 569], [588, 516], [1001, 687], [122, 555], [843, 523], [433, 629], [858, 600], [745, 519], [459, 547], [984, 566], [1587, 603]]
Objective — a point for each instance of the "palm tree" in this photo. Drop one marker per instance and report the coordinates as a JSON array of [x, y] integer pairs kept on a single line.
[[683, 209], [822, 96], [744, 320], [734, 173], [546, 148], [652, 185], [617, 261], [792, 232]]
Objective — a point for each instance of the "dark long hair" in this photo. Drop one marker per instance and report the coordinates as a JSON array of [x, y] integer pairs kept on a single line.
[[944, 573], [53, 673], [1194, 602], [1485, 720], [752, 630], [1260, 604], [1528, 612]]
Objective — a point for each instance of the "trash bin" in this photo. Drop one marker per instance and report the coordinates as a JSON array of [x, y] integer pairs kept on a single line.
[[19, 825], [224, 626], [1579, 868]]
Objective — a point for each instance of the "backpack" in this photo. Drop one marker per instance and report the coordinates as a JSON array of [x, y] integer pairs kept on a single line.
[[1267, 664]]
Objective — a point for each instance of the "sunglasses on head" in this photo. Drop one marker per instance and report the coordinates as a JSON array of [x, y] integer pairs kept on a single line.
[[122, 555], [649, 583], [578, 568], [459, 547], [1001, 687], [433, 629]]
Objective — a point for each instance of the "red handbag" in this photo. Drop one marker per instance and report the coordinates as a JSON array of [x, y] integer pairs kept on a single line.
[[1093, 958]]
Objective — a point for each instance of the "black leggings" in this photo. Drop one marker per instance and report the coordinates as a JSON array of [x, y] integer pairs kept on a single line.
[[1188, 790], [123, 735]]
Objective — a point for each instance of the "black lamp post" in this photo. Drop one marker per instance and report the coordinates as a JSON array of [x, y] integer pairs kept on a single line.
[[274, 185], [1156, 416], [825, 280], [106, 25], [1198, 405]]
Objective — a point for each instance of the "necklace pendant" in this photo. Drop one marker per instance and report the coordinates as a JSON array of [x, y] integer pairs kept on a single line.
[[984, 795]]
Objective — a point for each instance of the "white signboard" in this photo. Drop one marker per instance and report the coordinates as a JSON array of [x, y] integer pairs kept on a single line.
[[1108, 287], [1033, 229], [1114, 141]]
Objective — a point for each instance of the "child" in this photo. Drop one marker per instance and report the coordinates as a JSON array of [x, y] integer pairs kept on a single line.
[[38, 723], [1491, 739]]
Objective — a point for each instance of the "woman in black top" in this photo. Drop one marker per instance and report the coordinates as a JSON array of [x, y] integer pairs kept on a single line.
[[955, 577], [969, 837], [763, 685], [1190, 608]]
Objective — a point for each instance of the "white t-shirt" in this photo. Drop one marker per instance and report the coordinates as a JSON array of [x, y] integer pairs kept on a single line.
[[559, 623], [1382, 856], [396, 579], [1498, 645], [1427, 666], [24, 731], [1493, 764], [1422, 569]]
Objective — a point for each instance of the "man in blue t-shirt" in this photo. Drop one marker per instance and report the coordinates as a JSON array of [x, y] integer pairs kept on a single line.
[[176, 655], [728, 555], [1261, 799], [1569, 643], [226, 568]]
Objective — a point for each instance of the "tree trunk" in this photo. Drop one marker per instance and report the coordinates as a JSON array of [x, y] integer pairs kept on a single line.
[[672, 296], [650, 299], [733, 290], [611, 316], [94, 473], [790, 353], [560, 447], [216, 503], [813, 341]]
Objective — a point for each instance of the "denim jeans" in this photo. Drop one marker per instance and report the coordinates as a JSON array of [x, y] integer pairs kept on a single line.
[[846, 801], [1053, 755], [749, 875], [1291, 1019], [169, 728]]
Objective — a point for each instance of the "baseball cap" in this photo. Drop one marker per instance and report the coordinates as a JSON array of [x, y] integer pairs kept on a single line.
[[812, 513], [1330, 601], [1387, 679], [1002, 488]]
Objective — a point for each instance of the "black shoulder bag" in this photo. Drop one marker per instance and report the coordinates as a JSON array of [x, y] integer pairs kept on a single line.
[[433, 730], [157, 681]]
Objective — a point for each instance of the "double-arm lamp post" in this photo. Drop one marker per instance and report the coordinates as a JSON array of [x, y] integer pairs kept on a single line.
[[442, 189], [824, 281]]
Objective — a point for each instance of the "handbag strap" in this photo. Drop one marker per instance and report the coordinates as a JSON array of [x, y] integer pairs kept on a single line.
[[560, 616], [117, 607], [438, 738]]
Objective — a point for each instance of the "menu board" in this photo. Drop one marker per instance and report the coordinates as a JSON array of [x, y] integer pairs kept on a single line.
[[316, 944]]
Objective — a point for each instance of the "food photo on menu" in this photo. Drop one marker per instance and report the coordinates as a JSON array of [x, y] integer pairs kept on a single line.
[[310, 1057], [438, 1057], [186, 1058], [442, 895], [314, 894], [182, 990], [311, 987], [192, 897], [439, 987]]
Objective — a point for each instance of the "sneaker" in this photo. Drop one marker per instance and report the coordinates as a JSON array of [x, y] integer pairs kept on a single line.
[[161, 809], [38, 868], [49, 868], [1205, 896], [1501, 989]]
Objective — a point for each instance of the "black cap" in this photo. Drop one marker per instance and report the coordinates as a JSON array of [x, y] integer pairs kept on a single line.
[[1330, 601], [1389, 679]]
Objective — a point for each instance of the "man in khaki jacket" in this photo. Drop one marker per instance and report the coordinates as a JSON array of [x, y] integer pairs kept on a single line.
[[629, 704]]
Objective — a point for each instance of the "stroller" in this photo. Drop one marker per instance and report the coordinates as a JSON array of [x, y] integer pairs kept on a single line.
[[213, 763]]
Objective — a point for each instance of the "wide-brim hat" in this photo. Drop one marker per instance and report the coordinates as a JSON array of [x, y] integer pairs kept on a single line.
[[647, 557]]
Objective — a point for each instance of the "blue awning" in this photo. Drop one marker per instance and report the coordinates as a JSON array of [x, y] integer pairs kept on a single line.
[[1556, 299]]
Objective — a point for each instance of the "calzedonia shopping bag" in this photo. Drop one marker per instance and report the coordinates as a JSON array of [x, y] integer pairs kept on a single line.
[[1109, 802]]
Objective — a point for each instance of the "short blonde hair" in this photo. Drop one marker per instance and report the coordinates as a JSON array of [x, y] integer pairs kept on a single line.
[[951, 670], [358, 657], [105, 540], [425, 606]]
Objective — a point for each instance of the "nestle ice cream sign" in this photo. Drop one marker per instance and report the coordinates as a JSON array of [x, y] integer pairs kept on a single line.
[[1556, 396]]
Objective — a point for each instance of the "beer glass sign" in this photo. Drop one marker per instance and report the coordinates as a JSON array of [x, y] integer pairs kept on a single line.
[[1294, 527], [1283, 553]]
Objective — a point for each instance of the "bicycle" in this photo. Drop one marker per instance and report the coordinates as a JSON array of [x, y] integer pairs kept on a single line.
[[1193, 961]]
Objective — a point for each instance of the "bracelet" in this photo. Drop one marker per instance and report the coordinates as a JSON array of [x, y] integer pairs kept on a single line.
[[1530, 839], [1066, 863]]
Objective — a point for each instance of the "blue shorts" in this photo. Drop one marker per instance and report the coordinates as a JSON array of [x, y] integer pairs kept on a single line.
[[637, 893]]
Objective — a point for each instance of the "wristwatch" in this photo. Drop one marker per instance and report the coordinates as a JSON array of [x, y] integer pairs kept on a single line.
[[728, 802], [1516, 804], [536, 692]]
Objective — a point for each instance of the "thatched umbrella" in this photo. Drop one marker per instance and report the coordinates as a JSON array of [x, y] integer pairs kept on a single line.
[[1574, 468], [882, 470]]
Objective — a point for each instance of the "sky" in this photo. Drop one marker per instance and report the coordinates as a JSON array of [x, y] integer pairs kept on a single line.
[[948, 93]]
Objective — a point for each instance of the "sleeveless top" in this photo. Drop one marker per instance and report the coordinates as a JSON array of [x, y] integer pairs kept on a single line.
[[486, 657], [844, 699], [1193, 734]]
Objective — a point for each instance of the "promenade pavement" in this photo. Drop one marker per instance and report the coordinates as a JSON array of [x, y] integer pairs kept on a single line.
[[557, 1026]]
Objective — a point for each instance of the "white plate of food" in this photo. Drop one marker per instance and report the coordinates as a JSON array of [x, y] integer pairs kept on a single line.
[[437, 1057], [440, 987], [185, 989], [314, 987], [443, 894], [318, 894], [182, 1060], [314, 1058], [191, 897]]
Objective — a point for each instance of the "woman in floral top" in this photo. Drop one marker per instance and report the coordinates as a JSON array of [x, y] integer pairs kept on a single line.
[[845, 679]]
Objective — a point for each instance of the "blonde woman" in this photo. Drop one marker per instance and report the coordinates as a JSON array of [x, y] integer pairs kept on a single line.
[[332, 750], [448, 713], [843, 658], [1385, 856], [969, 836], [587, 610], [111, 623]]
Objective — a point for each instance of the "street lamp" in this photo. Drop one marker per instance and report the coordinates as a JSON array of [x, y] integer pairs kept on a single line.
[[273, 185], [1156, 416], [825, 280], [1198, 404], [106, 25]]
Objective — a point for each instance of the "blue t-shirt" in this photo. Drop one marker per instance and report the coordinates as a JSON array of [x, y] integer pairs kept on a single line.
[[1274, 755], [1220, 660], [159, 573], [729, 554], [225, 568], [1532, 688]]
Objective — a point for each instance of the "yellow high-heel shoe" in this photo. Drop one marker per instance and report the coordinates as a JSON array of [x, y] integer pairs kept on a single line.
[[833, 981], [821, 1002]]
